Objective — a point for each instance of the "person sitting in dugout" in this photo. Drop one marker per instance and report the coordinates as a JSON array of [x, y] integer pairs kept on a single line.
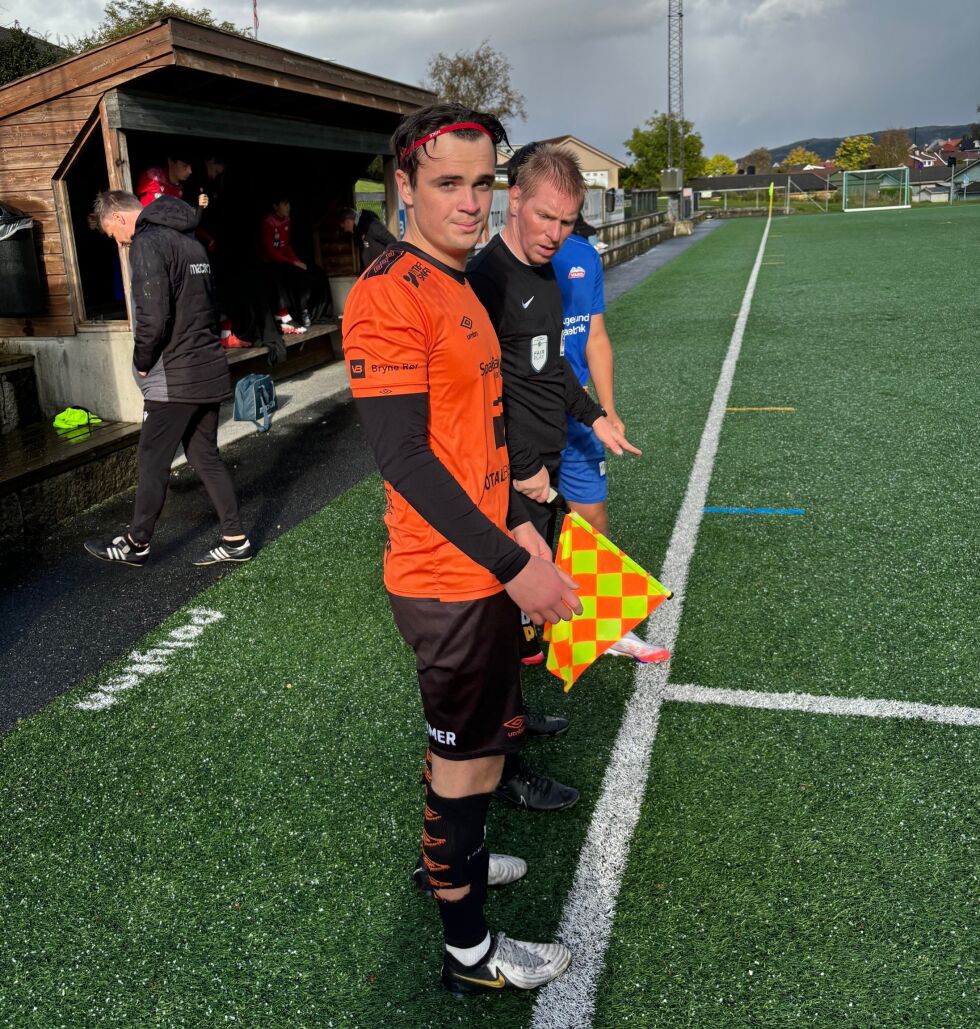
[[301, 293]]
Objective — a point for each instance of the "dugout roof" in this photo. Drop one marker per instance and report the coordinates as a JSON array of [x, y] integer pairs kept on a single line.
[[173, 78]]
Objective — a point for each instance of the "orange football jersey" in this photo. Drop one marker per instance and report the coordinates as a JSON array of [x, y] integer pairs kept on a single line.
[[413, 325]]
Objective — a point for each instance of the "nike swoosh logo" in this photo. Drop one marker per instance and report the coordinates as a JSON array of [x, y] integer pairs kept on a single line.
[[493, 984], [526, 303]]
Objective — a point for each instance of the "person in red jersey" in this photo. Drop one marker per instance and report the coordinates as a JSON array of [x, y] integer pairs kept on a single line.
[[424, 367], [301, 291], [168, 180]]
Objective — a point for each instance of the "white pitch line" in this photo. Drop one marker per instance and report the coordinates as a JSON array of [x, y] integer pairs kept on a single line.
[[814, 704], [569, 1001]]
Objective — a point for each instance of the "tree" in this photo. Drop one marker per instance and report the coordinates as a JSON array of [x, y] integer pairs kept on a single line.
[[649, 149], [854, 153], [891, 150], [480, 79], [121, 17], [798, 157], [21, 53], [760, 159], [720, 164]]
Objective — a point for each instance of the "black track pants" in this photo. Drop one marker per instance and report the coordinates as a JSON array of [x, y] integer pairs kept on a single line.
[[165, 426]]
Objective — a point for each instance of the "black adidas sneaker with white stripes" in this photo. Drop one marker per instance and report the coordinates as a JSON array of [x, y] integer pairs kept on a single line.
[[119, 550], [225, 551]]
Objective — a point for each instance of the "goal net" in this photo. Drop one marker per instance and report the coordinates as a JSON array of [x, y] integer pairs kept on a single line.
[[876, 189]]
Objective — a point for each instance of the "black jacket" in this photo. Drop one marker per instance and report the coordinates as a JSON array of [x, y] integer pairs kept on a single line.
[[175, 325], [371, 238]]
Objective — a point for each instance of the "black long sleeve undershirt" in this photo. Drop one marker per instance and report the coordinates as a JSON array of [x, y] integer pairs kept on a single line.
[[397, 430]]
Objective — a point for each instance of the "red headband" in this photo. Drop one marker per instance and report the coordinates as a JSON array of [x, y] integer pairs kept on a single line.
[[446, 128]]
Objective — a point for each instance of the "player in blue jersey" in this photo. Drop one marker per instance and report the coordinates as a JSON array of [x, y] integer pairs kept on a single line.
[[586, 345]]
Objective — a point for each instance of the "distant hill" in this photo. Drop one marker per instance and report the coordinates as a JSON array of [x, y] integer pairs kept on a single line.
[[826, 148]]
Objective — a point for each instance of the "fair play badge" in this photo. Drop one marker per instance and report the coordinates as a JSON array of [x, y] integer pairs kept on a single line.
[[539, 352]]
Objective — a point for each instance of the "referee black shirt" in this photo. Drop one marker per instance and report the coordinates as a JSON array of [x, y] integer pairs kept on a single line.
[[539, 387]]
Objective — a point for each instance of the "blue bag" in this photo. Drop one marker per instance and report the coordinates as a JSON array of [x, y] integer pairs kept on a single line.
[[255, 400]]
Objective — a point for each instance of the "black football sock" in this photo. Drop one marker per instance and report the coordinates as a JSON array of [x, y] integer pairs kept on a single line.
[[455, 854]]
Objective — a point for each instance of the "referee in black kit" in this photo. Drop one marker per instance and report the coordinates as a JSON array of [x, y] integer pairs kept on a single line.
[[516, 284]]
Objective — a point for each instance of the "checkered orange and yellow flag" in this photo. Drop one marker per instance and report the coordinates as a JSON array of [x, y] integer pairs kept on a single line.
[[616, 595]]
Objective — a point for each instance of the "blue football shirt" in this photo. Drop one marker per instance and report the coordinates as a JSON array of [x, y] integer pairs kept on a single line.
[[578, 269]]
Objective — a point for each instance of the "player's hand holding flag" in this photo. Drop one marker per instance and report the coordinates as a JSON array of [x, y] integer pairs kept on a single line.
[[615, 592]]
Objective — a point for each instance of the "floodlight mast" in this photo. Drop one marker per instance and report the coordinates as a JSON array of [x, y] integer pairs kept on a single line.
[[672, 177], [675, 78]]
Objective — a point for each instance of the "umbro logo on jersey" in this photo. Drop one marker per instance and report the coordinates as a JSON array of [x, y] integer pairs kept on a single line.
[[467, 323], [576, 272], [526, 303]]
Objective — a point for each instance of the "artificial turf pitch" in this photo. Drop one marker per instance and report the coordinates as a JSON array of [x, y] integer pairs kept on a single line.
[[230, 843]]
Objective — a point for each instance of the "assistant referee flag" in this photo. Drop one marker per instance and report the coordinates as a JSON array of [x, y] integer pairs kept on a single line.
[[615, 592]]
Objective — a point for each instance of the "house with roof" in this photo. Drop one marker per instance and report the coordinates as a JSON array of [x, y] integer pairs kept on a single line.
[[598, 168]]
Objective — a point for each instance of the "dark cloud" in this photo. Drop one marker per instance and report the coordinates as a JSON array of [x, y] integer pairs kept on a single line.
[[757, 72]]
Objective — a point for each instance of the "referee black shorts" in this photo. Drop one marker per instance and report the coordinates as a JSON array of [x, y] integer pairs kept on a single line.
[[466, 653]]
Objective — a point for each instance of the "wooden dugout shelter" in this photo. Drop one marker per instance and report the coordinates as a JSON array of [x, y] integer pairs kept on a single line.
[[95, 120]]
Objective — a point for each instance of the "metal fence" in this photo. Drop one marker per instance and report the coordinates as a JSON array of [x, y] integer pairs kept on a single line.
[[602, 206], [594, 209], [638, 202], [374, 202], [790, 199]]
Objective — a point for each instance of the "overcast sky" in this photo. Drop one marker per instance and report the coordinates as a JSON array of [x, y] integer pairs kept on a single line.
[[756, 72]]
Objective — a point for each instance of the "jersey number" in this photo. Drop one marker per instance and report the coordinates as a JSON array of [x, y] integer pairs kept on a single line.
[[499, 437]]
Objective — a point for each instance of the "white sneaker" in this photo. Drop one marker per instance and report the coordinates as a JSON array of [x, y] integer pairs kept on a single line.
[[503, 871], [645, 653], [510, 963]]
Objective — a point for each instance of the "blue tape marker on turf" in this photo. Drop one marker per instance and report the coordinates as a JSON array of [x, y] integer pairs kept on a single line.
[[756, 510]]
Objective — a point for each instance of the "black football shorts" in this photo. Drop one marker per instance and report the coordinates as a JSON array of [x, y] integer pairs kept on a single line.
[[466, 654]]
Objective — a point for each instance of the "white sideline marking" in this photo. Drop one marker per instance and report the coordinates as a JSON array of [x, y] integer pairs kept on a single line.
[[813, 704], [152, 661], [586, 922]]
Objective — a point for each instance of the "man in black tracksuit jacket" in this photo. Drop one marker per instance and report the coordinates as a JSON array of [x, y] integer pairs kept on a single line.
[[178, 364]]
